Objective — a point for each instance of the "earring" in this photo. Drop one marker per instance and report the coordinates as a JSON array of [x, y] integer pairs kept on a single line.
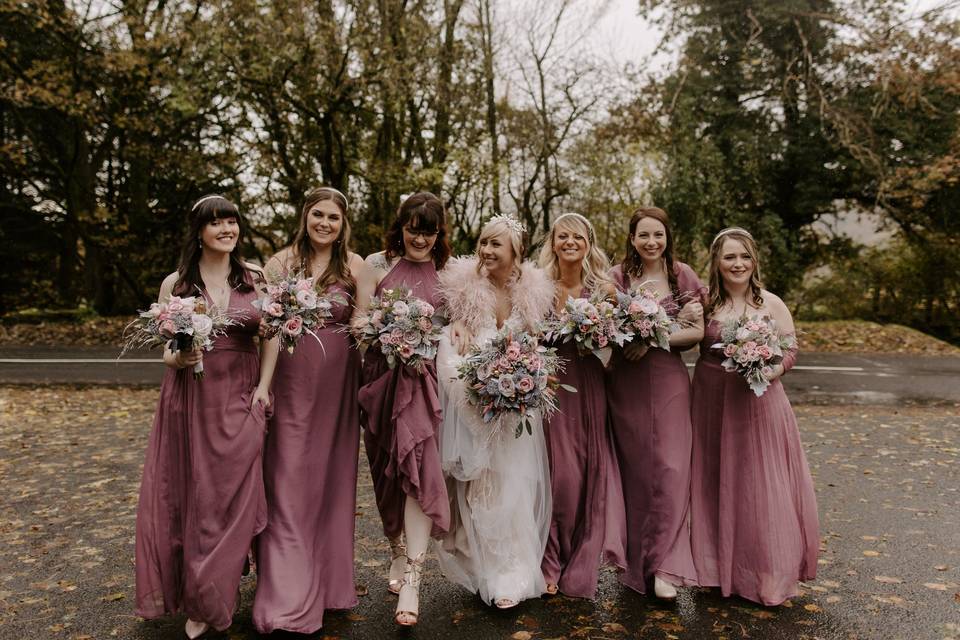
[[199, 243]]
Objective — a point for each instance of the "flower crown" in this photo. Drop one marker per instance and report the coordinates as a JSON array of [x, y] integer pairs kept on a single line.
[[510, 221]]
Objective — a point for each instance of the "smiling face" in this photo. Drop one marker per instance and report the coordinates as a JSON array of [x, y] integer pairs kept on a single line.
[[324, 223], [649, 239], [220, 234], [418, 242], [736, 264], [569, 243], [496, 253]]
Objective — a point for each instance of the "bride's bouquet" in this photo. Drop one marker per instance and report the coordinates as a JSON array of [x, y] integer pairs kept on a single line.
[[183, 324], [513, 375], [406, 328], [752, 348], [292, 309], [594, 324], [644, 319]]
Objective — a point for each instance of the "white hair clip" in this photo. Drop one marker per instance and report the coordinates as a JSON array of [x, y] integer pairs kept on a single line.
[[510, 221]]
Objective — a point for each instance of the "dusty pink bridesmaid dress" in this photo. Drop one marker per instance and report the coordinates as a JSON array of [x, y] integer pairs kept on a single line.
[[587, 526], [754, 524], [649, 403], [401, 414], [305, 555], [202, 495]]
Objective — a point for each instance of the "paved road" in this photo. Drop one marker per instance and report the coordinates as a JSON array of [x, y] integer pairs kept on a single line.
[[820, 378], [888, 488]]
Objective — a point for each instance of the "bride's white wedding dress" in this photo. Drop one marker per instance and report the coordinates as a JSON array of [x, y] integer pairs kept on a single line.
[[499, 489]]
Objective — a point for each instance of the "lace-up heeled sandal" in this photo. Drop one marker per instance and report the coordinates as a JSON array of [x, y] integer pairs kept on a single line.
[[398, 562], [408, 616]]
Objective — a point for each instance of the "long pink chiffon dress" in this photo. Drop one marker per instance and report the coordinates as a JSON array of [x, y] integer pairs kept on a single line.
[[754, 524], [587, 527], [305, 555], [202, 494], [401, 415], [649, 403]]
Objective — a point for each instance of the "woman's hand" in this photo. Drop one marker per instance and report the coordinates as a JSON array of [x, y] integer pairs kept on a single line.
[[635, 351], [260, 395], [690, 314], [460, 336], [265, 330], [182, 359]]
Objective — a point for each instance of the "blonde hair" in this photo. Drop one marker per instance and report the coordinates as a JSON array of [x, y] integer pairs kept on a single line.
[[500, 225], [595, 263], [718, 295]]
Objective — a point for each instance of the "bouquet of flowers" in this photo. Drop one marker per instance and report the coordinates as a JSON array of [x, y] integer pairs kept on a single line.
[[292, 309], [593, 323], [513, 375], [644, 319], [406, 328], [752, 348], [183, 324]]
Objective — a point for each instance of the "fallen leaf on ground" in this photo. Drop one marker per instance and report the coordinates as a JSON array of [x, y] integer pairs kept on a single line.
[[888, 579]]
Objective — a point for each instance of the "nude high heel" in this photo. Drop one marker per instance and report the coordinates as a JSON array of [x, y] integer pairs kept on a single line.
[[408, 616]]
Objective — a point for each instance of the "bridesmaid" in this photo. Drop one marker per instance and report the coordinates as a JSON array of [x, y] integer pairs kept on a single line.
[[202, 497], [305, 555], [587, 523], [649, 402], [400, 409], [753, 510]]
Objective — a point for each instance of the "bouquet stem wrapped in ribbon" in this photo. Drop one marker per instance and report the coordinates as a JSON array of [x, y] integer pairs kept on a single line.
[[182, 324], [292, 309], [404, 327], [594, 324], [752, 347], [513, 376]]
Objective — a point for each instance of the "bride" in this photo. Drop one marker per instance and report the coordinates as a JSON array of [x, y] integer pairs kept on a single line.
[[499, 485]]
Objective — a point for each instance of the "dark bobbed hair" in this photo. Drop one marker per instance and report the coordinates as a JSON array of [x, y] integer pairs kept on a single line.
[[632, 263], [338, 270], [422, 211], [204, 211]]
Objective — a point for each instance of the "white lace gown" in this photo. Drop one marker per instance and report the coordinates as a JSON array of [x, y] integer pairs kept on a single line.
[[499, 491]]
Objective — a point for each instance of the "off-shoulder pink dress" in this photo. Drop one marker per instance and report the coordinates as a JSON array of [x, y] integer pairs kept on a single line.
[[754, 524]]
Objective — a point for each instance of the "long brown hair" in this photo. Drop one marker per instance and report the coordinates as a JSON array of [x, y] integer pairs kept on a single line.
[[423, 212], [338, 269], [632, 264], [204, 211], [718, 295]]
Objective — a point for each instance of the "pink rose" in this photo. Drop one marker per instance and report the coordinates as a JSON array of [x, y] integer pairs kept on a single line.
[[274, 309], [525, 384], [307, 298], [648, 306], [425, 324], [730, 350], [293, 327], [646, 327], [513, 352], [168, 328], [764, 352], [411, 338], [405, 351], [397, 334], [305, 284], [506, 386], [175, 305], [602, 340], [750, 345], [634, 307]]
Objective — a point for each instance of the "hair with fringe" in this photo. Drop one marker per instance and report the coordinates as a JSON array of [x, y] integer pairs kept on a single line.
[[632, 263], [518, 242], [338, 269], [422, 212], [595, 263], [718, 294], [204, 211]]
